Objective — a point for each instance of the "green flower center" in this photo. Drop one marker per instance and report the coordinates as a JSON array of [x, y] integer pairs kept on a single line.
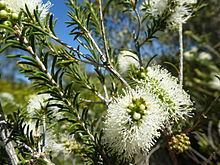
[[137, 109], [139, 74]]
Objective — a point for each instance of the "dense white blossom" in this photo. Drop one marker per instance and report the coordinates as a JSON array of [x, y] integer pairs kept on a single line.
[[156, 7], [17, 5], [180, 12], [180, 15], [160, 82], [128, 132], [126, 59], [37, 103]]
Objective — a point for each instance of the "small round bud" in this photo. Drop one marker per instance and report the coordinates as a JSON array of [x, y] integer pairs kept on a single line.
[[136, 116], [142, 107], [7, 23], [3, 15], [143, 75], [131, 106], [14, 16], [2, 5], [142, 69], [128, 110]]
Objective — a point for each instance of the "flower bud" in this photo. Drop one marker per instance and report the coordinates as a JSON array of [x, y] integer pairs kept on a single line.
[[136, 116], [142, 107], [14, 16], [2, 5], [7, 23], [3, 15]]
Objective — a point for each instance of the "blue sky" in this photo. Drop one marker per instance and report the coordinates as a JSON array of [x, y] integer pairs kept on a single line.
[[60, 9]]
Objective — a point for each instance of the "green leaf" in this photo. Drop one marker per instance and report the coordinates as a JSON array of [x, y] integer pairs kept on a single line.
[[5, 47]]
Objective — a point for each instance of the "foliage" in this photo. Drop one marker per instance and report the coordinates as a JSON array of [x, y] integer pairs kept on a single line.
[[70, 114]]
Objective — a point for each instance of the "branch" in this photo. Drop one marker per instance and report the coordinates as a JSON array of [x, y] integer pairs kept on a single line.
[[106, 55], [9, 147]]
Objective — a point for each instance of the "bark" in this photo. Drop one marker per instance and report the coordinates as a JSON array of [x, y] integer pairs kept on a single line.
[[4, 132]]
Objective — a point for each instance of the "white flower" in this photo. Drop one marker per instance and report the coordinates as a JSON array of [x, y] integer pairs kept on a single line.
[[5, 96], [37, 103], [160, 82], [133, 123], [156, 7], [180, 15], [17, 5], [126, 59], [205, 56]]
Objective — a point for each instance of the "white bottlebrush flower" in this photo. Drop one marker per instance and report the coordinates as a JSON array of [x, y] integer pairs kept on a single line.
[[17, 5], [133, 123], [126, 59], [155, 7], [160, 82], [180, 15], [205, 56], [37, 103]]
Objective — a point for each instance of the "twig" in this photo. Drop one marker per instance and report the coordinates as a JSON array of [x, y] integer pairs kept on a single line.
[[106, 55], [137, 45], [201, 117], [211, 142], [199, 155], [181, 54]]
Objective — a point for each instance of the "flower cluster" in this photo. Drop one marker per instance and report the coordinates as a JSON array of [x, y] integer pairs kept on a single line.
[[160, 82], [180, 10], [133, 123], [135, 120]]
